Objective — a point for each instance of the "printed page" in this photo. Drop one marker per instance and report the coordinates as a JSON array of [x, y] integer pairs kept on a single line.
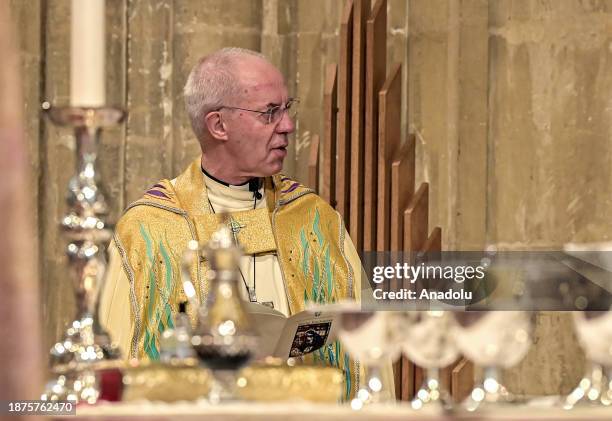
[[295, 336], [306, 332], [269, 324]]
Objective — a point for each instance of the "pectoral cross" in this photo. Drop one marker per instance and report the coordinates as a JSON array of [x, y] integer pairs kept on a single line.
[[235, 228]]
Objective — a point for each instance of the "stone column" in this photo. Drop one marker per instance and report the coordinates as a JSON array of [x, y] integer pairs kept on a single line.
[[20, 365], [550, 125]]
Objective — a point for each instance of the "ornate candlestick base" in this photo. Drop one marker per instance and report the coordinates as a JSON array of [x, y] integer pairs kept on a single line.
[[85, 347]]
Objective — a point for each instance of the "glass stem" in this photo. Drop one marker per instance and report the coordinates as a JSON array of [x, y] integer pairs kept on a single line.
[[432, 379], [492, 373]]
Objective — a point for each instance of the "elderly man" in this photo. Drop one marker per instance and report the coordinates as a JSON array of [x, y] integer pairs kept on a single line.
[[296, 246]]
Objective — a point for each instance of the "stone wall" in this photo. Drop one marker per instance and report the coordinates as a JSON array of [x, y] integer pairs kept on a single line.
[[509, 100]]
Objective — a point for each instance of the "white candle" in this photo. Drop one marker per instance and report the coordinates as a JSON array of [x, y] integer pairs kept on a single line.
[[87, 54]]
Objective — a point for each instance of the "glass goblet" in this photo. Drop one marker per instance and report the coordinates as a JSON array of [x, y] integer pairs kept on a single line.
[[430, 345], [494, 340], [594, 330], [373, 338]]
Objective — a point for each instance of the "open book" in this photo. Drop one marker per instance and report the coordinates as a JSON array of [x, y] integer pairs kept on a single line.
[[284, 337]]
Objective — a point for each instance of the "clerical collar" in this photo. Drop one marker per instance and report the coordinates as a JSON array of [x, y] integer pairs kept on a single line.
[[253, 186], [212, 177]]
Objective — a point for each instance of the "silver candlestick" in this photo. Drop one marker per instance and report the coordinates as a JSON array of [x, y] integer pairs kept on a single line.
[[85, 347]]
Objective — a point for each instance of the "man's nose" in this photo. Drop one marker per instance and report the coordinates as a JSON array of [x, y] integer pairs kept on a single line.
[[286, 124]]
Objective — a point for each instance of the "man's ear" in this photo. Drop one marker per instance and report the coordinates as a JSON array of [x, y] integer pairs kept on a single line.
[[215, 125]]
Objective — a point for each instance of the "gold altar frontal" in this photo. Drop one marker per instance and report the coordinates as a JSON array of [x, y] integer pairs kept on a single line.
[[266, 381]]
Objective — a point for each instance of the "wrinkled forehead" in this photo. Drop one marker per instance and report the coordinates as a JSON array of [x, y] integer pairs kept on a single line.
[[260, 82]]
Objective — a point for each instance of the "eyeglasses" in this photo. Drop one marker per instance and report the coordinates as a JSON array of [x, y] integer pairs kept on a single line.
[[274, 113]]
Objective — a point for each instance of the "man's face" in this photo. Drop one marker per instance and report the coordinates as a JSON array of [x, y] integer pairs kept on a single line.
[[257, 147]]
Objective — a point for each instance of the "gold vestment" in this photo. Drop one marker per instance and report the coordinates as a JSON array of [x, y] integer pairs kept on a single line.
[[317, 260]]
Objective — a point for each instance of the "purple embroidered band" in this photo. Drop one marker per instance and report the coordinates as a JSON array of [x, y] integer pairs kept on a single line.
[[291, 188], [157, 193]]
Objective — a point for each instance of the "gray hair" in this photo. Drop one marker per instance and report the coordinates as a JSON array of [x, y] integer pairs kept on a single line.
[[211, 82]]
